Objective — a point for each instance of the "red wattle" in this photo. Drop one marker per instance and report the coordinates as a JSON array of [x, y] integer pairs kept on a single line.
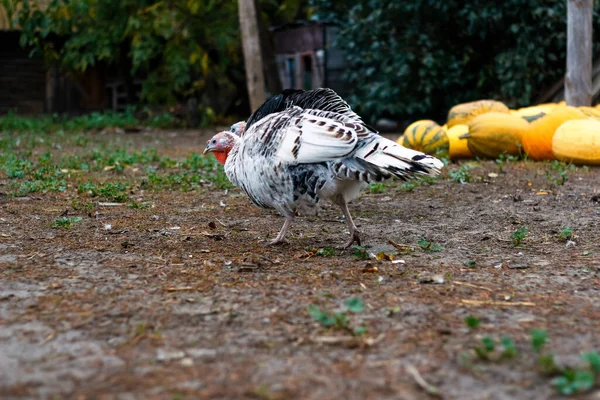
[[221, 156]]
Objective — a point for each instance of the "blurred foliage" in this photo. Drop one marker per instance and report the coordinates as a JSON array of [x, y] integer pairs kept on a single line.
[[129, 119], [182, 48], [417, 58]]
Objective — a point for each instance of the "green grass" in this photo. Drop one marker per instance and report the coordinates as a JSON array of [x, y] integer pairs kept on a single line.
[[377, 187], [461, 175], [567, 380], [65, 222], [560, 173], [36, 166], [13, 122]]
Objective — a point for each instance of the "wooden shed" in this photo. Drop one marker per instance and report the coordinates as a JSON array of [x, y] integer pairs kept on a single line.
[[22, 79], [29, 86], [307, 56]]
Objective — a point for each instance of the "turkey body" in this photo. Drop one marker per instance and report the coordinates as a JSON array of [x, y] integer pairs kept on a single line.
[[294, 159]]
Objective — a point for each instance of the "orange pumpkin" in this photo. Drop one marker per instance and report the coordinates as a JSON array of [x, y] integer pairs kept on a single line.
[[537, 139]]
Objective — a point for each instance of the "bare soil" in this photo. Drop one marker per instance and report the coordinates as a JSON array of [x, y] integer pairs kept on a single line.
[[183, 301]]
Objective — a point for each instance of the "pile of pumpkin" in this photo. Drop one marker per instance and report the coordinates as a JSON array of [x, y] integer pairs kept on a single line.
[[488, 129]]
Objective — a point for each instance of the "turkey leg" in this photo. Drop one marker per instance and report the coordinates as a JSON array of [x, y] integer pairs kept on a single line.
[[354, 232], [281, 237]]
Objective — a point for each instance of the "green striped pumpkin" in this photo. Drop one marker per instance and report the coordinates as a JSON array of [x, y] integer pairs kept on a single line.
[[426, 136]]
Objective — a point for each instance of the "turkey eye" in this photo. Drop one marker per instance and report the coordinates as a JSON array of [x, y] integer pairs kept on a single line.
[[214, 141]]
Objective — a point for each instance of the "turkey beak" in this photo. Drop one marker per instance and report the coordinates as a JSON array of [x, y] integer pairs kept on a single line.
[[209, 148]]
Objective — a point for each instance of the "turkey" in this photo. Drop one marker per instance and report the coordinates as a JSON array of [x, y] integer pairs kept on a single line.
[[292, 160], [324, 99]]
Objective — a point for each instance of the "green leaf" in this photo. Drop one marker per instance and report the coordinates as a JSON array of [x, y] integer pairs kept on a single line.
[[539, 338], [360, 330], [547, 364], [355, 305], [472, 322], [510, 350], [593, 359], [488, 344]]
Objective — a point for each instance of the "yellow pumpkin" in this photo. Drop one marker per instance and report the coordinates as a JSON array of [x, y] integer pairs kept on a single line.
[[465, 112], [493, 134], [458, 147], [578, 141], [535, 112], [426, 136], [537, 140], [590, 111]]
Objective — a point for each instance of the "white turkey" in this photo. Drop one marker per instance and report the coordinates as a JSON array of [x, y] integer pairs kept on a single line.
[[293, 159]]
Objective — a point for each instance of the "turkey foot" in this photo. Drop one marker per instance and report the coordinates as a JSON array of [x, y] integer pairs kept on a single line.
[[280, 239], [276, 242], [354, 237]]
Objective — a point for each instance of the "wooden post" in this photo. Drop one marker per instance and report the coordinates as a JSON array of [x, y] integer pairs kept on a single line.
[[255, 78], [578, 80]]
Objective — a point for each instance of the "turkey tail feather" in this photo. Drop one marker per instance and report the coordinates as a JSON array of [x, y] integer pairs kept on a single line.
[[398, 160]]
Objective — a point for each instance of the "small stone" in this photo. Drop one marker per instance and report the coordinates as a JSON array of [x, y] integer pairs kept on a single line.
[[166, 355], [202, 353], [187, 362]]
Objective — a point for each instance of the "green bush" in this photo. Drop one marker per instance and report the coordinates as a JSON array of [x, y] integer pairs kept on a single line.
[[417, 58]]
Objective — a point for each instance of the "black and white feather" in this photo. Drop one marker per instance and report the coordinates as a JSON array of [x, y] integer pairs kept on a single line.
[[324, 99], [293, 159]]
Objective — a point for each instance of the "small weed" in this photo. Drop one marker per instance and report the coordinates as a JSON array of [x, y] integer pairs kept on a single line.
[[509, 348], [326, 252], [110, 191], [546, 363], [565, 234], [567, 381], [377, 187], [140, 206], [503, 159], [472, 322], [88, 206], [323, 252], [562, 169], [539, 338], [518, 236], [339, 320], [486, 349], [408, 186], [65, 222], [571, 381], [429, 247], [461, 175], [360, 253]]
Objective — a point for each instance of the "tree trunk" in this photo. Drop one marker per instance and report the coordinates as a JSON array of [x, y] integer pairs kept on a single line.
[[272, 81], [255, 79], [578, 80]]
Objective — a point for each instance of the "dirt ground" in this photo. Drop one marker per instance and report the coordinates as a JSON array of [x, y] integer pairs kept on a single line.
[[183, 301]]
